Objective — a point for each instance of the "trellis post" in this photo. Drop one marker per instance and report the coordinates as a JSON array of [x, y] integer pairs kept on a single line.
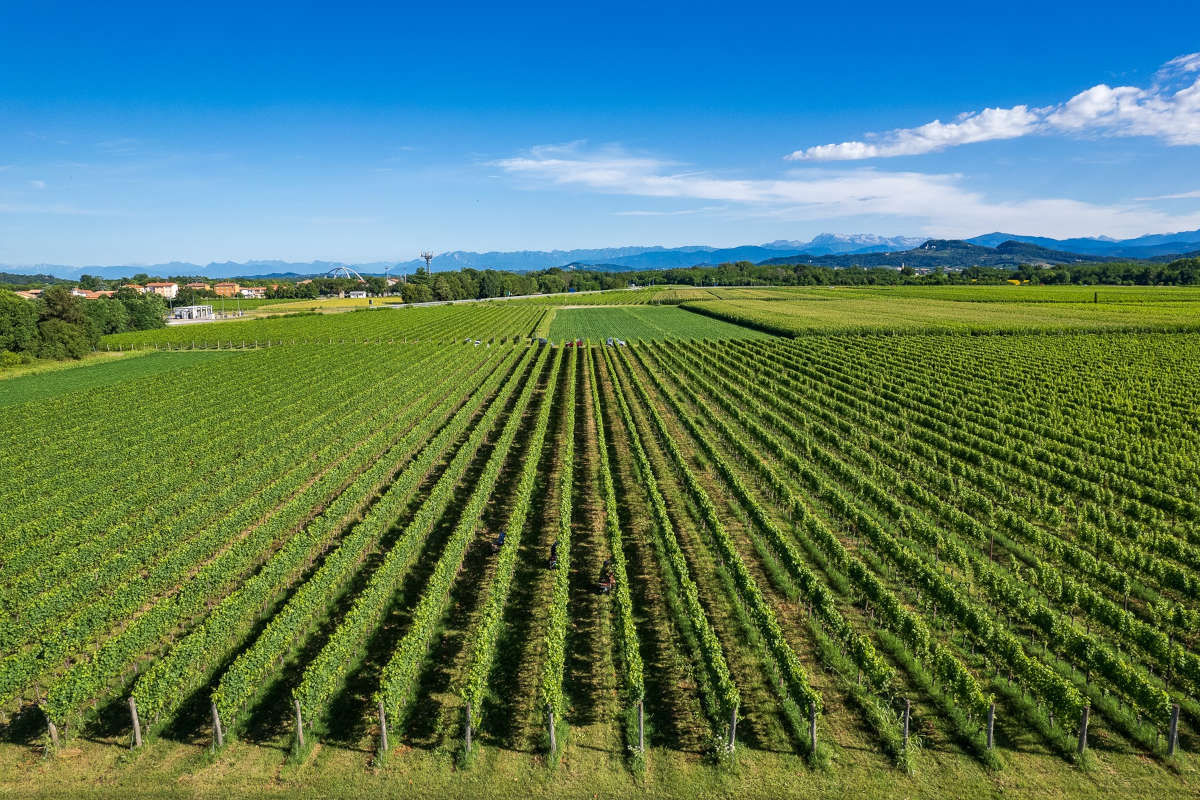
[[383, 740], [991, 725], [1173, 735], [218, 734], [1083, 726], [137, 726], [812, 728], [641, 729], [907, 711], [299, 722]]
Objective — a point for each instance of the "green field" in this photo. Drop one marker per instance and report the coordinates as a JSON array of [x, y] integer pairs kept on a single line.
[[877, 312], [641, 322], [446, 323], [824, 529], [1005, 293], [106, 370]]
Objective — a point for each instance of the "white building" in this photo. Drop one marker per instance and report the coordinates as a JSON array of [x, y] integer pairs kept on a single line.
[[165, 289]]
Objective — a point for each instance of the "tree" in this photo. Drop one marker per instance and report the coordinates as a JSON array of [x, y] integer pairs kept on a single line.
[[57, 302], [416, 293], [91, 282], [61, 340], [443, 289], [193, 297], [106, 316], [18, 323], [491, 284], [146, 311], [63, 327]]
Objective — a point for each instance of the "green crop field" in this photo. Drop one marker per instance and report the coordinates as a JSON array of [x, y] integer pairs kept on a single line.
[[641, 322], [445, 323], [358, 555], [74, 377], [878, 312]]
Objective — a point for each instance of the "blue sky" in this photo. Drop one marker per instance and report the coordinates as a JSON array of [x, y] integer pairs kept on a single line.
[[141, 133]]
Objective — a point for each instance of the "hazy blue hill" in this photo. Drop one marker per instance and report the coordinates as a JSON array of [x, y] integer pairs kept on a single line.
[[949, 253], [1141, 247]]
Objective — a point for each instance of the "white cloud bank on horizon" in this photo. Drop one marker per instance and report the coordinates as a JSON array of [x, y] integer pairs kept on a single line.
[[1169, 110], [947, 207]]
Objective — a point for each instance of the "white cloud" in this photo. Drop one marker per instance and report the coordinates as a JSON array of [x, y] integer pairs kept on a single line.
[[943, 204], [1177, 196], [1181, 65], [38, 184], [1168, 110]]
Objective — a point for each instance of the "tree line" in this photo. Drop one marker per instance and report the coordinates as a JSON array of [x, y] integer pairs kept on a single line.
[[59, 325], [1181, 272]]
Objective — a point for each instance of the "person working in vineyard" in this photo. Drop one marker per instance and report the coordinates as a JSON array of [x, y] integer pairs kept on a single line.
[[553, 561], [496, 545], [607, 580]]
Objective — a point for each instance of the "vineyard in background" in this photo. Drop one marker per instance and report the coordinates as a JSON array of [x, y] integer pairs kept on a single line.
[[882, 312], [711, 541]]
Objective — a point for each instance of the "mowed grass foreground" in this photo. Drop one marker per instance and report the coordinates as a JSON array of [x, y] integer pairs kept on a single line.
[[379, 532], [173, 770]]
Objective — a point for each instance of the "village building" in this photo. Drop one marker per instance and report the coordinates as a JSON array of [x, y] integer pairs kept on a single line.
[[167, 289]]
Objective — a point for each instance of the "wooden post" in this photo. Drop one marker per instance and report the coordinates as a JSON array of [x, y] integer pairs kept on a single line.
[[732, 728], [1173, 735], [383, 742], [907, 711], [53, 731], [299, 722], [641, 729], [812, 729], [553, 734], [468, 732], [991, 725], [137, 726], [1083, 723], [218, 734]]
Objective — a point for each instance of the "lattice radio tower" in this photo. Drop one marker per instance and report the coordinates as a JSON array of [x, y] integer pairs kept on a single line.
[[428, 256]]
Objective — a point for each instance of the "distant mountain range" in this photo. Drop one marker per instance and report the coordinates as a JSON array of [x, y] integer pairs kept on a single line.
[[1159, 244], [935, 253], [991, 249]]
